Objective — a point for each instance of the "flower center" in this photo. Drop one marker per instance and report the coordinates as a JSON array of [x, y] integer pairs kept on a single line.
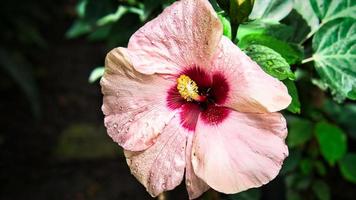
[[188, 89], [199, 94]]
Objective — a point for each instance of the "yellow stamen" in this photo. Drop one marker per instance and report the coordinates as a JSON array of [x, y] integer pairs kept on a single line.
[[187, 88]]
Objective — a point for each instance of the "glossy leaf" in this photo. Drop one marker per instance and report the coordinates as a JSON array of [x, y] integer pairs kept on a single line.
[[332, 141], [291, 53], [305, 10], [302, 20], [269, 60], [265, 27], [335, 57], [328, 10], [348, 167], [271, 9]]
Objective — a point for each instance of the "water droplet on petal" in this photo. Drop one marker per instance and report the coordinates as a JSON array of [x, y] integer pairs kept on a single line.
[[115, 125], [188, 183]]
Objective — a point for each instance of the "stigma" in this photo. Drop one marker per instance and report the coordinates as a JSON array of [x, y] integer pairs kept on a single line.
[[188, 89]]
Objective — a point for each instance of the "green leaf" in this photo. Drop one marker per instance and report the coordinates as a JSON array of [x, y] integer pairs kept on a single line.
[[80, 8], [121, 11], [303, 20], [321, 190], [305, 10], [251, 194], [226, 25], [320, 7], [96, 74], [292, 54], [78, 28], [265, 27], [101, 33], [270, 61], [328, 10], [348, 167], [334, 48], [294, 106], [300, 131], [332, 141], [112, 17], [271, 9]]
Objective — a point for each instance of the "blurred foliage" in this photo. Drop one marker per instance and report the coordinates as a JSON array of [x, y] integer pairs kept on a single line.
[[309, 45], [21, 38], [84, 142]]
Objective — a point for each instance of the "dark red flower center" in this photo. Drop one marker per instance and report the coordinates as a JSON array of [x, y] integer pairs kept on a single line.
[[207, 100]]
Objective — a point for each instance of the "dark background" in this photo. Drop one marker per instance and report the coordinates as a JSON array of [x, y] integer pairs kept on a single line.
[[52, 141]]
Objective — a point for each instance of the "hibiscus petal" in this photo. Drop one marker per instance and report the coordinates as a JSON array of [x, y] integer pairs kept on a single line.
[[185, 34], [250, 88], [161, 167], [134, 104], [246, 150], [195, 186]]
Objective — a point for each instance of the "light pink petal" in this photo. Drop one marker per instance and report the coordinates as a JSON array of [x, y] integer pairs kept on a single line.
[[161, 167], [195, 186], [185, 34], [250, 88], [134, 104], [244, 151]]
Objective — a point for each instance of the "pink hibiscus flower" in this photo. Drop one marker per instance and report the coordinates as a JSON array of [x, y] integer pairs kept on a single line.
[[182, 98]]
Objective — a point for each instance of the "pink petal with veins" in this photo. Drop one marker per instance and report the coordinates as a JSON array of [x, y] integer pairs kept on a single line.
[[186, 33], [161, 167], [251, 89], [244, 151], [195, 186], [134, 104]]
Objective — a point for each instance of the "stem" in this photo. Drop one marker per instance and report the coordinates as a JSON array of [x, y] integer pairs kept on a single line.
[[307, 60]]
